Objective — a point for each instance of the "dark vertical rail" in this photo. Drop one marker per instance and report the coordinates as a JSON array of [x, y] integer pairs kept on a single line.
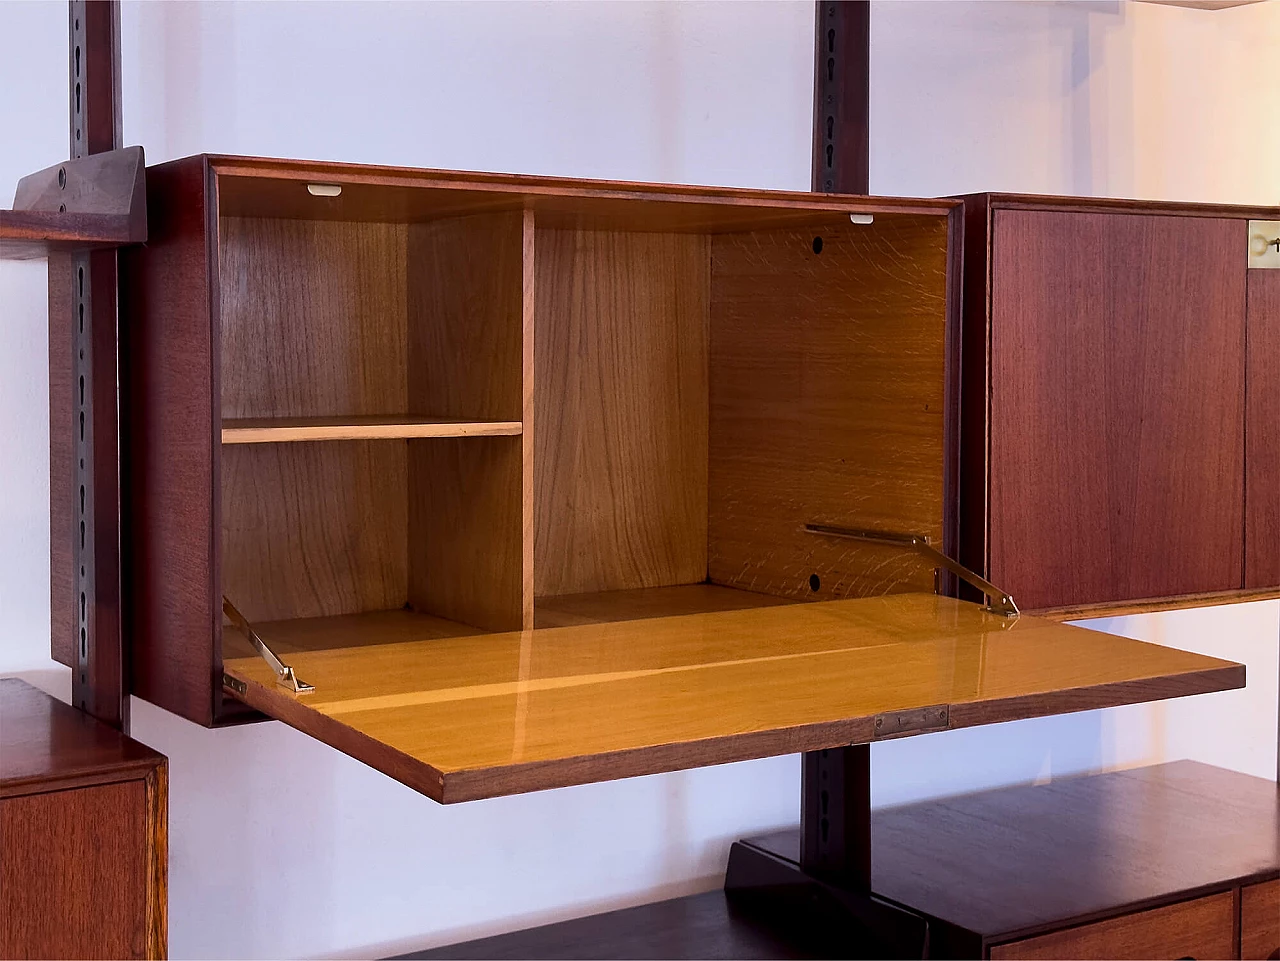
[[99, 668], [841, 96], [835, 791]]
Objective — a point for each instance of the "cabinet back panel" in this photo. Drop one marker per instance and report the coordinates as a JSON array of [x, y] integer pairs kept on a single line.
[[1117, 341], [620, 398], [313, 318], [828, 375], [315, 529]]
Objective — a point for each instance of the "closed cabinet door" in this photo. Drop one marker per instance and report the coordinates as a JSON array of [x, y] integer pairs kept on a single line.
[[1117, 406]]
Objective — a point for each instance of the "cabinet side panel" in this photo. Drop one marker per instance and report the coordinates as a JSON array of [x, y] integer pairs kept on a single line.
[[1262, 433], [62, 598], [74, 868], [169, 431], [828, 405], [1117, 406], [620, 399]]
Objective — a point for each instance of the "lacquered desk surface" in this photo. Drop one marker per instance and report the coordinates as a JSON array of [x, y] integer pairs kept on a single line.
[[460, 718]]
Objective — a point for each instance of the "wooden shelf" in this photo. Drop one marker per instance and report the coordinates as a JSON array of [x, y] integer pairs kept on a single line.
[[294, 429], [460, 718]]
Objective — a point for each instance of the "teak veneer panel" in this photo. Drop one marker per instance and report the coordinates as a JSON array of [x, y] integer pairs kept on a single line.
[[1117, 341], [313, 318], [829, 405], [1262, 432], [620, 462], [277, 430], [1192, 929], [470, 717], [310, 530], [1260, 921]]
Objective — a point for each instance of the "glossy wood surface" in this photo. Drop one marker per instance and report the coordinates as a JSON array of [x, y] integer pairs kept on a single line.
[[46, 744], [829, 365], [620, 453], [1262, 432], [462, 718], [1260, 922], [1102, 367], [1193, 929], [279, 430]]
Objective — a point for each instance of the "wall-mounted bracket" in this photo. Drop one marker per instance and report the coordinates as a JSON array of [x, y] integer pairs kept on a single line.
[[998, 602], [284, 673]]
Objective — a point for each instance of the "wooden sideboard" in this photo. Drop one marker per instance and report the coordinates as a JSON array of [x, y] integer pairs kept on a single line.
[[83, 834], [1178, 860]]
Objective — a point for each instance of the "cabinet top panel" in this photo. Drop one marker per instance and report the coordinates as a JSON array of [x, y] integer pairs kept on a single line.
[[292, 189], [460, 718], [1160, 208], [45, 743]]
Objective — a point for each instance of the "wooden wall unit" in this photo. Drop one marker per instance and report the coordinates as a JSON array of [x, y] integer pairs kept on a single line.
[[83, 834], [403, 423], [1113, 358]]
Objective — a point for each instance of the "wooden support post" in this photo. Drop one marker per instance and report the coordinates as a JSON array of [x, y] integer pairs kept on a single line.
[[835, 816]]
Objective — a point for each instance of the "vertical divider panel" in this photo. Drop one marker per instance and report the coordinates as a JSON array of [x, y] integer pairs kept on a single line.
[[468, 340]]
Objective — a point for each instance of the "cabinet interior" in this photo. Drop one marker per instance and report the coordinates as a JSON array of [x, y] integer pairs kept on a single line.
[[447, 412]]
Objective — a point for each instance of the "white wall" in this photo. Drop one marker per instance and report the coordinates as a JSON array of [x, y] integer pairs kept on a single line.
[[284, 848]]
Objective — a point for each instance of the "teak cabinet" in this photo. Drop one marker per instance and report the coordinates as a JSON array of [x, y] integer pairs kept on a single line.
[[527, 477], [83, 834], [1121, 402]]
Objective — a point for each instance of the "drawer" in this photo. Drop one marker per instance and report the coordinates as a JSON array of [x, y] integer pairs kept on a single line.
[[1260, 920], [1192, 929]]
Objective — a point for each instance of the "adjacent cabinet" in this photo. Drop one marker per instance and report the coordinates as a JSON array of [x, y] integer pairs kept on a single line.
[[1121, 403]]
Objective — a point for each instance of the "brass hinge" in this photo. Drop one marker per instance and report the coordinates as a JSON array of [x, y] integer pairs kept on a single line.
[[998, 602], [918, 720], [284, 673]]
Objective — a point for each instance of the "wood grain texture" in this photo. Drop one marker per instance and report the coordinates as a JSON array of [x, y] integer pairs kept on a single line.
[[313, 318], [1103, 365], [1262, 432], [62, 499], [1018, 861], [466, 531], [470, 355], [366, 629], [828, 402], [73, 878], [283, 430], [1260, 921], [620, 358], [169, 418], [1193, 929], [316, 529], [469, 717], [567, 610], [83, 834]]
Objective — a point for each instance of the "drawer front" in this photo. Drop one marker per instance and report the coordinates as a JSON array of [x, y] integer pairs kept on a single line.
[[1198, 929], [1260, 921]]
